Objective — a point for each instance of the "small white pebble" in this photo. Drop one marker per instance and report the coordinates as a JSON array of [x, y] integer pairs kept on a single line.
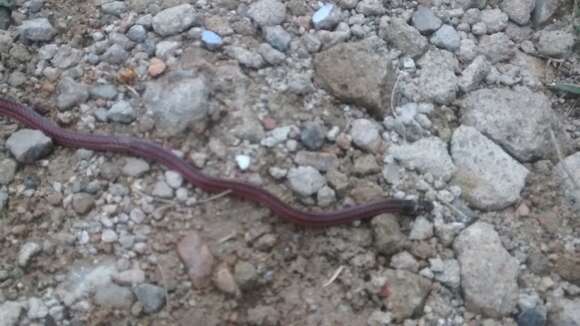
[[243, 162], [109, 236], [173, 179]]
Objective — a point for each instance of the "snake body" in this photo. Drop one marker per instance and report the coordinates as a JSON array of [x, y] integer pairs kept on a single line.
[[155, 152]]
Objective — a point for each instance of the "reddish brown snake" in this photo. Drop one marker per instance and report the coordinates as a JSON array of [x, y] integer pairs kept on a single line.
[[155, 152]]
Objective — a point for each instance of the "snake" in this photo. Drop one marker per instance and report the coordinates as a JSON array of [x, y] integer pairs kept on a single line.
[[148, 150]]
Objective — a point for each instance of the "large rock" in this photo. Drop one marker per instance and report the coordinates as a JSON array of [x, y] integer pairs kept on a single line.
[[519, 11], [489, 177], [519, 120], [354, 73], [437, 81], [38, 29], [488, 272], [407, 293], [28, 146], [267, 12], [177, 101]]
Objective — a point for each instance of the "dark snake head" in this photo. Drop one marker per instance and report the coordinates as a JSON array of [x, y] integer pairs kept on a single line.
[[422, 207]]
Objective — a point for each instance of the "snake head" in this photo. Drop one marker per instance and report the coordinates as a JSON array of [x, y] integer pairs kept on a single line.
[[423, 206]]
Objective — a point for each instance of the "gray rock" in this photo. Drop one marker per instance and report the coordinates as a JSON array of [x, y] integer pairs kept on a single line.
[[162, 189], [177, 101], [330, 39], [326, 196], [28, 146], [479, 29], [115, 8], [152, 297], [365, 134], [570, 164], [276, 136], [27, 251], [517, 119], [495, 20], [407, 293], [567, 313], [446, 271], [82, 203], [109, 236], [404, 261], [71, 93], [544, 10], [103, 91], [467, 50], [447, 38], [532, 317], [166, 49], [122, 112], [174, 20], [3, 199], [422, 229], [403, 36], [371, 8], [428, 155], [557, 44], [173, 179], [267, 12], [37, 29], [490, 178], [388, 238], [277, 37], [497, 47], [436, 81], [36, 308], [271, 55], [354, 73], [300, 83], [366, 164], [135, 167], [245, 274], [83, 279], [312, 135], [425, 20], [137, 33], [114, 296], [480, 252], [326, 17], [115, 54], [245, 57], [474, 73], [305, 180], [10, 312], [66, 57], [130, 277], [198, 260], [7, 171], [320, 161], [519, 11]]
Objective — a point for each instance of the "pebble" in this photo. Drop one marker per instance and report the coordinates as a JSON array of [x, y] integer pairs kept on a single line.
[[422, 229], [243, 162], [7, 171], [447, 38], [365, 135], [27, 251], [174, 20], [278, 37], [114, 296], [37, 30], [326, 196], [405, 261], [312, 135], [3, 199], [173, 179], [135, 167], [130, 277], [82, 203], [28, 146], [224, 280], [137, 33], [103, 91], [152, 297], [37, 309], [305, 180], [10, 312], [162, 189], [326, 17], [245, 274], [122, 112], [109, 236], [211, 40], [71, 93], [267, 12], [197, 258], [425, 20]]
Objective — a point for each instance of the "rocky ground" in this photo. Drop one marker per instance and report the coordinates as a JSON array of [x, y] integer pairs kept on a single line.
[[325, 105]]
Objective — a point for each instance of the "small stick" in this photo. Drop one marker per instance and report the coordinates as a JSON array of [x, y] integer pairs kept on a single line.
[[214, 197], [334, 276]]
